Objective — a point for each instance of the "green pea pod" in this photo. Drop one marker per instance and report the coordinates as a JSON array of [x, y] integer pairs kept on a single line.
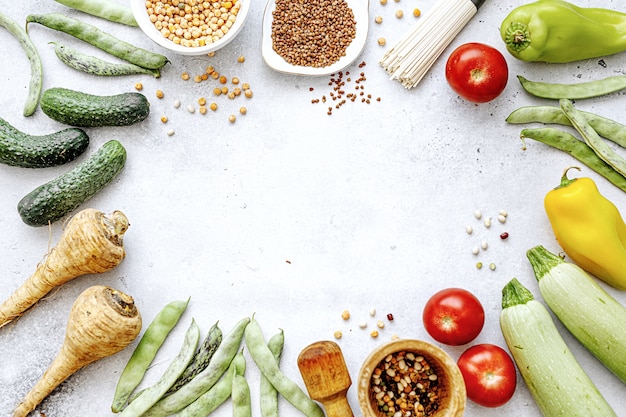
[[147, 348], [575, 91], [105, 9], [591, 137], [269, 394], [242, 405], [568, 143], [218, 393], [152, 394], [268, 366], [204, 380], [558, 31], [36, 76]]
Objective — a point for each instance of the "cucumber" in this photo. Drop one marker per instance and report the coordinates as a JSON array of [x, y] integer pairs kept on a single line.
[[56, 198], [554, 377], [30, 151], [595, 318], [76, 108]]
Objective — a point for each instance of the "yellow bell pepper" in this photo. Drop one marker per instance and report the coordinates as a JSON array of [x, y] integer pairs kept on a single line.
[[589, 228]]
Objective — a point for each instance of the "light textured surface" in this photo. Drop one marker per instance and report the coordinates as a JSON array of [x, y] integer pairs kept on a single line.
[[289, 213]]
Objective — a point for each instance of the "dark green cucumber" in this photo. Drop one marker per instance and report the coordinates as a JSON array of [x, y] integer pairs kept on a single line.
[[32, 151], [76, 108], [53, 200]]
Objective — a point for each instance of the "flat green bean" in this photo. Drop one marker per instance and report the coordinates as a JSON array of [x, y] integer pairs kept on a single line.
[[202, 358], [582, 90], [146, 350], [152, 394], [204, 380], [268, 366], [242, 404], [591, 137], [568, 143], [104, 9], [89, 64], [607, 128], [100, 39], [218, 393], [269, 394], [36, 68]]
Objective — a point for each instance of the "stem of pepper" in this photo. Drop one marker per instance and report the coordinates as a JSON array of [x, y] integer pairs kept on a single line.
[[564, 180]]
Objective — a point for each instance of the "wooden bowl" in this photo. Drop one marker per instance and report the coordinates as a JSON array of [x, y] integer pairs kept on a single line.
[[449, 388]]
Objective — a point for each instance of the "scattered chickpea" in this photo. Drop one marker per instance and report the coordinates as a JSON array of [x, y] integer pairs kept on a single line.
[[243, 110], [213, 106], [209, 69], [217, 91], [380, 324], [247, 93], [232, 118], [204, 77], [197, 78], [378, 19], [399, 14], [345, 314], [159, 94], [215, 75], [164, 119], [202, 109], [382, 41], [417, 12], [211, 54], [235, 80], [337, 334], [224, 90], [374, 334], [383, 2], [184, 76], [231, 95], [237, 91], [202, 101], [139, 86], [223, 79], [241, 58], [245, 86]]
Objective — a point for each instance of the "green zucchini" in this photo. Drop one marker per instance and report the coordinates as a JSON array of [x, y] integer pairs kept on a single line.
[[56, 198], [554, 377], [595, 318], [76, 108], [31, 151]]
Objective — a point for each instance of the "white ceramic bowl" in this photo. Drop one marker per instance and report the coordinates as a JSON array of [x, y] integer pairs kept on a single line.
[[138, 8], [360, 9]]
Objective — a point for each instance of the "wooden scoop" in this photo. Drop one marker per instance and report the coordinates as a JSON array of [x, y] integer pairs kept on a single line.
[[326, 377]]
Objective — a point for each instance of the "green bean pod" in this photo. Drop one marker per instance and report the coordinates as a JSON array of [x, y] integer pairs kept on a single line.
[[268, 366], [104, 9], [100, 39], [97, 66], [218, 393], [568, 143], [607, 128], [147, 348], [36, 68], [592, 138], [204, 380], [269, 394], [152, 394], [582, 90], [242, 404], [202, 358]]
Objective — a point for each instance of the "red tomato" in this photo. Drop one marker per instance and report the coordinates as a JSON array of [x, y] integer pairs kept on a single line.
[[489, 374], [453, 316], [477, 72]]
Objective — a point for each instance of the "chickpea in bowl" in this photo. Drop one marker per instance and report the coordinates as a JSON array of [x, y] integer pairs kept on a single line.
[[410, 377], [191, 27]]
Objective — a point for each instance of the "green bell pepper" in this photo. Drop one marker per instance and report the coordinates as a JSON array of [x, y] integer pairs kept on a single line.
[[557, 31]]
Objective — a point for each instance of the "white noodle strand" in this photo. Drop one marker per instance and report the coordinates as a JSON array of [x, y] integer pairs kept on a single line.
[[411, 58]]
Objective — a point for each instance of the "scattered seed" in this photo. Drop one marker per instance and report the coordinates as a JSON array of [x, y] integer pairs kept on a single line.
[[483, 245], [362, 325], [159, 94], [383, 2], [504, 235], [378, 19], [501, 218], [345, 314], [380, 324], [337, 334], [232, 118], [478, 214], [503, 213], [202, 109], [487, 222], [389, 316], [213, 106], [373, 312], [139, 86], [479, 265], [164, 119], [243, 110], [176, 103], [191, 109], [475, 250], [241, 58], [170, 132], [184, 76], [382, 41], [417, 12], [374, 334], [492, 266], [399, 14], [201, 101], [469, 229]]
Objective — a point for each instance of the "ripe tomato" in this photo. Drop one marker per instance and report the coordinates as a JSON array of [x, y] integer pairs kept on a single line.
[[477, 72], [453, 316], [489, 374]]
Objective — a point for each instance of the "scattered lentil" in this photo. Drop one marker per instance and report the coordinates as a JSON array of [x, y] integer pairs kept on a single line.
[[405, 384], [314, 33]]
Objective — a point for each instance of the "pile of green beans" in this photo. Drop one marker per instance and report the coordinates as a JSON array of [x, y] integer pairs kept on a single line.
[[592, 151]]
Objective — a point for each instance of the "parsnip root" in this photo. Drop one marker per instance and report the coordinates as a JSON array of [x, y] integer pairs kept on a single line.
[[90, 244], [102, 322]]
